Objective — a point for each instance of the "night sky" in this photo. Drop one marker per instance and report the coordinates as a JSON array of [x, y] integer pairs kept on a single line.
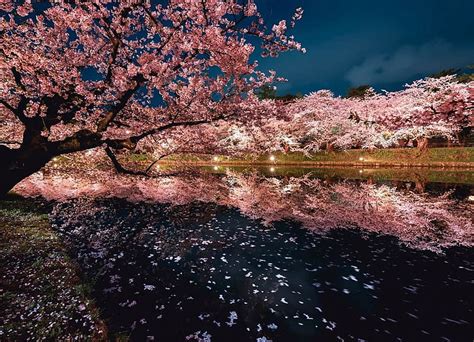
[[382, 43]]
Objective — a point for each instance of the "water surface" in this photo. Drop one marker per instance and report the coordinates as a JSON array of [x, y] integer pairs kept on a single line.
[[248, 257]]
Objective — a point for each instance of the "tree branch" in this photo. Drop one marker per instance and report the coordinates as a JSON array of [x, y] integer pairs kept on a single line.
[[10, 142], [20, 110], [79, 141], [8, 106], [117, 108], [139, 137], [119, 167], [17, 77]]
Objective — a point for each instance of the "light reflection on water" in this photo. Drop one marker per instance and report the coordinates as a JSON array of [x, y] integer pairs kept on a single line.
[[227, 256]]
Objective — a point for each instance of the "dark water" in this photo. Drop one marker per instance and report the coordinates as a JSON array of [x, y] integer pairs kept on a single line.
[[205, 272]]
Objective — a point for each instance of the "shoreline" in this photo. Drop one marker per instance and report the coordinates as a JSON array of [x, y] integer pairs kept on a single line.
[[35, 267], [372, 165]]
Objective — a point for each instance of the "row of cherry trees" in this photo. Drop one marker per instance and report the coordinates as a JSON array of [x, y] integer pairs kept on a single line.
[[427, 108], [431, 107]]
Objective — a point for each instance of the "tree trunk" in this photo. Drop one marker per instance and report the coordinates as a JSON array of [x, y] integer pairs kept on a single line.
[[422, 144], [17, 164], [402, 143]]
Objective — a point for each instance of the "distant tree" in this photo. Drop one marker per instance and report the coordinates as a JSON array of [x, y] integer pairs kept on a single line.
[[357, 92], [289, 97], [445, 72], [465, 78], [266, 92], [468, 76], [461, 77]]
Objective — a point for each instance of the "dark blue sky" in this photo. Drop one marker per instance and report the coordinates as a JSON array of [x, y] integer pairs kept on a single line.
[[381, 43]]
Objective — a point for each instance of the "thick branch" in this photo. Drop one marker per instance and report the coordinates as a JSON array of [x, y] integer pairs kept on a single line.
[[20, 110], [10, 142], [137, 138], [117, 108], [131, 142], [7, 105], [17, 77], [80, 141]]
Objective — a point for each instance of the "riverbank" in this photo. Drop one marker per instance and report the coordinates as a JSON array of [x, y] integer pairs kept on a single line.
[[451, 157], [42, 296]]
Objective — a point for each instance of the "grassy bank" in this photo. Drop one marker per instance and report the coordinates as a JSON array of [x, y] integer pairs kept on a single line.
[[41, 295], [462, 157]]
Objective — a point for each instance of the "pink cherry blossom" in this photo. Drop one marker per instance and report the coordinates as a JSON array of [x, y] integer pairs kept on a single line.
[[80, 76]]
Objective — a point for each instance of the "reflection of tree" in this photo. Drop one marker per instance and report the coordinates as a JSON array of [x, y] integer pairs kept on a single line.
[[417, 219]]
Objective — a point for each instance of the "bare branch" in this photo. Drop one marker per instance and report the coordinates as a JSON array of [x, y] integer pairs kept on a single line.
[[119, 167]]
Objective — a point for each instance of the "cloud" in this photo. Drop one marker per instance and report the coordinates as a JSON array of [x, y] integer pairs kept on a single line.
[[410, 61], [325, 64]]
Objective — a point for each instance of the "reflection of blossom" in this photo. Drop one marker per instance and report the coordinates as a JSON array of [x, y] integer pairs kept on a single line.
[[418, 220], [232, 318]]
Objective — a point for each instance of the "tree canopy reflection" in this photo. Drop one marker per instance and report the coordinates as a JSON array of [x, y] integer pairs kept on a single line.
[[420, 220]]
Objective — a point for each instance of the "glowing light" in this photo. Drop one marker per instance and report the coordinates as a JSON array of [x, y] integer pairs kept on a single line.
[[55, 159], [55, 165], [216, 159], [272, 158], [216, 168], [361, 159], [471, 198], [360, 171], [272, 169]]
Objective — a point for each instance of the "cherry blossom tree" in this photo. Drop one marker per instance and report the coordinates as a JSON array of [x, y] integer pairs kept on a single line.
[[322, 121], [426, 108], [77, 76]]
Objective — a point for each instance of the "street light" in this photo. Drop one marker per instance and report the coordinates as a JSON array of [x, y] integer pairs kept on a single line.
[[272, 158]]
